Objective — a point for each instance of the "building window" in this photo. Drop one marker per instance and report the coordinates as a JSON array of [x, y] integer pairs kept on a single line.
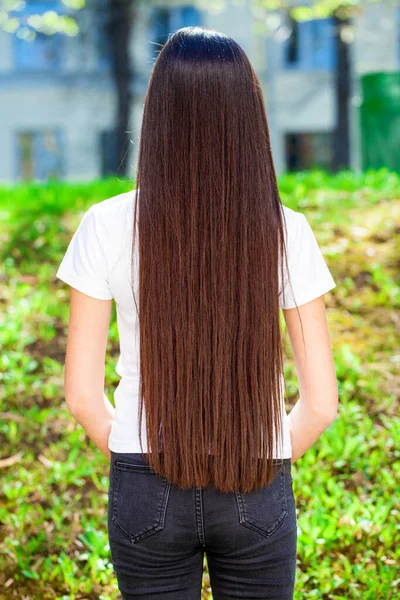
[[44, 52], [166, 20], [311, 46], [306, 151], [39, 154]]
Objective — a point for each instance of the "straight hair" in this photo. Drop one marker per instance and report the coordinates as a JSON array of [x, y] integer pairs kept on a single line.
[[211, 234]]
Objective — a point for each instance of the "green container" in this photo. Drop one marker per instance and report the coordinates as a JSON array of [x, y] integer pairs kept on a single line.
[[380, 121]]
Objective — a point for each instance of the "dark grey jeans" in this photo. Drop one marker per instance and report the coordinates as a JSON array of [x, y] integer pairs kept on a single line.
[[158, 535]]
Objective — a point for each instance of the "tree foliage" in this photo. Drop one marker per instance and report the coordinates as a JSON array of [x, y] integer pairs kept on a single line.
[[14, 20], [318, 9]]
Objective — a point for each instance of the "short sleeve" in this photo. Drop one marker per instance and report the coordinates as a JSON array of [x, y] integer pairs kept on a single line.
[[309, 273], [84, 266]]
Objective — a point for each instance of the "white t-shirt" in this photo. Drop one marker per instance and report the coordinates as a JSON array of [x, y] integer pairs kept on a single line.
[[98, 263]]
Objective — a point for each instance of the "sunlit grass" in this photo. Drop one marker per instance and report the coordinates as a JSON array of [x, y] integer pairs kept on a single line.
[[53, 501]]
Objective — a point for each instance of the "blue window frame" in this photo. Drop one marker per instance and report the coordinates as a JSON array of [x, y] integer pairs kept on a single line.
[[166, 20], [40, 154], [311, 46], [45, 52]]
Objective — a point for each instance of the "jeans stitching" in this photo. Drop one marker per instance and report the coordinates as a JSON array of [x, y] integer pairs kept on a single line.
[[199, 516], [156, 528], [244, 519]]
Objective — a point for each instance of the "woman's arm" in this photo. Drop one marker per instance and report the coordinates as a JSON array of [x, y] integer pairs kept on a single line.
[[317, 406], [89, 321], [96, 415]]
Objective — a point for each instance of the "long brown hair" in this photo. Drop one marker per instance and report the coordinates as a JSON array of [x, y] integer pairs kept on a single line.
[[210, 229]]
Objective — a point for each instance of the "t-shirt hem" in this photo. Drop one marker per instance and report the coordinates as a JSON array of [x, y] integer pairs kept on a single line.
[[125, 446], [83, 286], [133, 448], [312, 292]]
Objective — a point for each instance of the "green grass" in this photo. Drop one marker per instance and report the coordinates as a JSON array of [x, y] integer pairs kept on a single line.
[[53, 498]]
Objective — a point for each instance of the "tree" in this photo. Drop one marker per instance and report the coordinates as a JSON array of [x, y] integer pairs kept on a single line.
[[119, 26], [341, 140]]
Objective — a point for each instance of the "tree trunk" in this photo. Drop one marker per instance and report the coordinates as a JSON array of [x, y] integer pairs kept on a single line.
[[341, 144], [119, 29]]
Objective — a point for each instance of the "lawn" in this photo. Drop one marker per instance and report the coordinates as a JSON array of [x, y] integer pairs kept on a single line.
[[53, 495]]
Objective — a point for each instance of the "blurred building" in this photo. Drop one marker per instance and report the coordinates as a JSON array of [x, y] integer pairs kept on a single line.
[[57, 98]]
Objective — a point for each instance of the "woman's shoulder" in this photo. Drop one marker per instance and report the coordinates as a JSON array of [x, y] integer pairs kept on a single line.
[[113, 216], [294, 222], [291, 215], [114, 206]]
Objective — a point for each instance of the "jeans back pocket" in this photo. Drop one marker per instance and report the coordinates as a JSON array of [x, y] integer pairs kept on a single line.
[[265, 509], [139, 498]]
